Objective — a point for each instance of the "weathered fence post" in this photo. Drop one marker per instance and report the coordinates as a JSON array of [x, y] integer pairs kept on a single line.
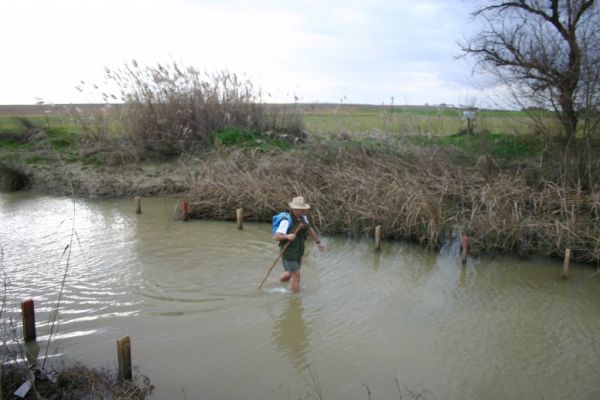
[[27, 311], [377, 237], [124, 358], [185, 206], [464, 249], [469, 117], [138, 204], [239, 216], [566, 263]]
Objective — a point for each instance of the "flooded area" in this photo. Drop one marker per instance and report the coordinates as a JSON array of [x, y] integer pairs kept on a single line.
[[366, 324]]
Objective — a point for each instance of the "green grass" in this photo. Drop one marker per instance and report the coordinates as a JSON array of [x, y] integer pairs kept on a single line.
[[411, 121], [20, 124], [10, 146], [62, 137], [247, 138], [10, 125], [33, 139], [498, 145], [443, 112], [502, 134], [35, 159]]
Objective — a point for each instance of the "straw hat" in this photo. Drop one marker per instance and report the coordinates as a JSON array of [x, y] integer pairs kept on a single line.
[[298, 203]]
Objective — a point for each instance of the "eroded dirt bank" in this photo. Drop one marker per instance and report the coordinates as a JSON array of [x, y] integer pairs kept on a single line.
[[129, 180]]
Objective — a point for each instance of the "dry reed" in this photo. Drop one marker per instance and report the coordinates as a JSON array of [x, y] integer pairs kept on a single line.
[[416, 194], [170, 109], [75, 382]]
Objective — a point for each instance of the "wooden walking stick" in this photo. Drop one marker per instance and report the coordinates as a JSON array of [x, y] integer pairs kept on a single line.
[[279, 256]]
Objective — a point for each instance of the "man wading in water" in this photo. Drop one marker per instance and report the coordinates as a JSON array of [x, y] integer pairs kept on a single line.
[[292, 258]]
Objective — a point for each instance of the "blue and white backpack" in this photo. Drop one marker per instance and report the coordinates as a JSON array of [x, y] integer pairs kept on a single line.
[[278, 218]]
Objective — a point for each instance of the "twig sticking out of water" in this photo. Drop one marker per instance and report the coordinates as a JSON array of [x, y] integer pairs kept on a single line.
[[368, 390]]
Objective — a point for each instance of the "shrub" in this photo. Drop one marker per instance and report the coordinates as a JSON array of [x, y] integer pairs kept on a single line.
[[12, 179], [169, 110]]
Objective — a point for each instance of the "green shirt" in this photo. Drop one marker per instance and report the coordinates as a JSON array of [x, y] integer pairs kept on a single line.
[[295, 250]]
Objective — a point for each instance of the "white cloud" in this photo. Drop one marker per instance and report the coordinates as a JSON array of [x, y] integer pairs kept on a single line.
[[366, 50]]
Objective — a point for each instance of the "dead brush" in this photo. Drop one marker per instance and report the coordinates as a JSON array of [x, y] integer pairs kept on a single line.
[[12, 179], [170, 109], [498, 213], [416, 194], [99, 124], [349, 198], [75, 382], [569, 219]]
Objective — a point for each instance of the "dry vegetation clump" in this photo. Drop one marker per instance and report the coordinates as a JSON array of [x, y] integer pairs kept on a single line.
[[418, 194], [170, 109], [24, 374], [19, 363], [12, 179], [74, 382]]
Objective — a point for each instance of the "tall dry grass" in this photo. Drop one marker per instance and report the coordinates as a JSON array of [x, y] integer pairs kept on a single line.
[[418, 194], [171, 109]]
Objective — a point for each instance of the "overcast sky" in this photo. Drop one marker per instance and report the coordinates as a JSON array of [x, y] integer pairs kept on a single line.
[[355, 51]]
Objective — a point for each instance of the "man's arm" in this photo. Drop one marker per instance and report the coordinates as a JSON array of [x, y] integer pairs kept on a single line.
[[281, 234], [315, 236]]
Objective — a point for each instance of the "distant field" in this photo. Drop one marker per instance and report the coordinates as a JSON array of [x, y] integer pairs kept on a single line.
[[42, 109], [323, 119], [407, 120]]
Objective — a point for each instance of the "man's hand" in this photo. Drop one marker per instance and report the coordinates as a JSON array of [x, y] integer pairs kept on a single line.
[[290, 236]]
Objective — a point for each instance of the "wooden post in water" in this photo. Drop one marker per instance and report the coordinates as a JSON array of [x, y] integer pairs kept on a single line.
[[185, 206], [28, 314], [124, 358], [566, 263], [138, 204], [239, 216], [464, 249], [378, 237]]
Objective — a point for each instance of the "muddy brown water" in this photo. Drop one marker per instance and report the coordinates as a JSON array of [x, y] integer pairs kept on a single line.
[[365, 325]]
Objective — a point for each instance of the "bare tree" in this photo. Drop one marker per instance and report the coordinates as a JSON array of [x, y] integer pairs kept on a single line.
[[547, 52]]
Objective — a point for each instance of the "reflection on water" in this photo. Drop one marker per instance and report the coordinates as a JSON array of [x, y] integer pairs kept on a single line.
[[186, 295], [292, 334]]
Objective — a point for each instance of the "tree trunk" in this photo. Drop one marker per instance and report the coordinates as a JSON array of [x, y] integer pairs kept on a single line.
[[568, 117], [568, 88]]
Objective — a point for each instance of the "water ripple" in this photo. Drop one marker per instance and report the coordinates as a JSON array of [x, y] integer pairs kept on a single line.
[[498, 328]]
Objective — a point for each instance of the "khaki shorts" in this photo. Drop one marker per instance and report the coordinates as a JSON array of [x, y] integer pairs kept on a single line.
[[291, 266]]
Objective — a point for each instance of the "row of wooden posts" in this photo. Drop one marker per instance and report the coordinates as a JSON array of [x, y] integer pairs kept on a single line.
[[464, 245], [123, 344]]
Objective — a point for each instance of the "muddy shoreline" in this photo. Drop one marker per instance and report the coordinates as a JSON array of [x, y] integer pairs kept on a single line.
[[122, 181]]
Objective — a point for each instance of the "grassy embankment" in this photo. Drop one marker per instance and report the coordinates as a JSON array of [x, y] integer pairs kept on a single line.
[[406, 169]]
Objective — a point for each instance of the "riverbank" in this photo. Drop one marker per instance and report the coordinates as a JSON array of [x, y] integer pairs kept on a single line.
[[521, 193], [139, 179], [422, 193], [72, 382]]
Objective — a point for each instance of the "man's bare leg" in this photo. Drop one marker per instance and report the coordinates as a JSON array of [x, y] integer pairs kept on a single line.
[[285, 276], [295, 281]]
